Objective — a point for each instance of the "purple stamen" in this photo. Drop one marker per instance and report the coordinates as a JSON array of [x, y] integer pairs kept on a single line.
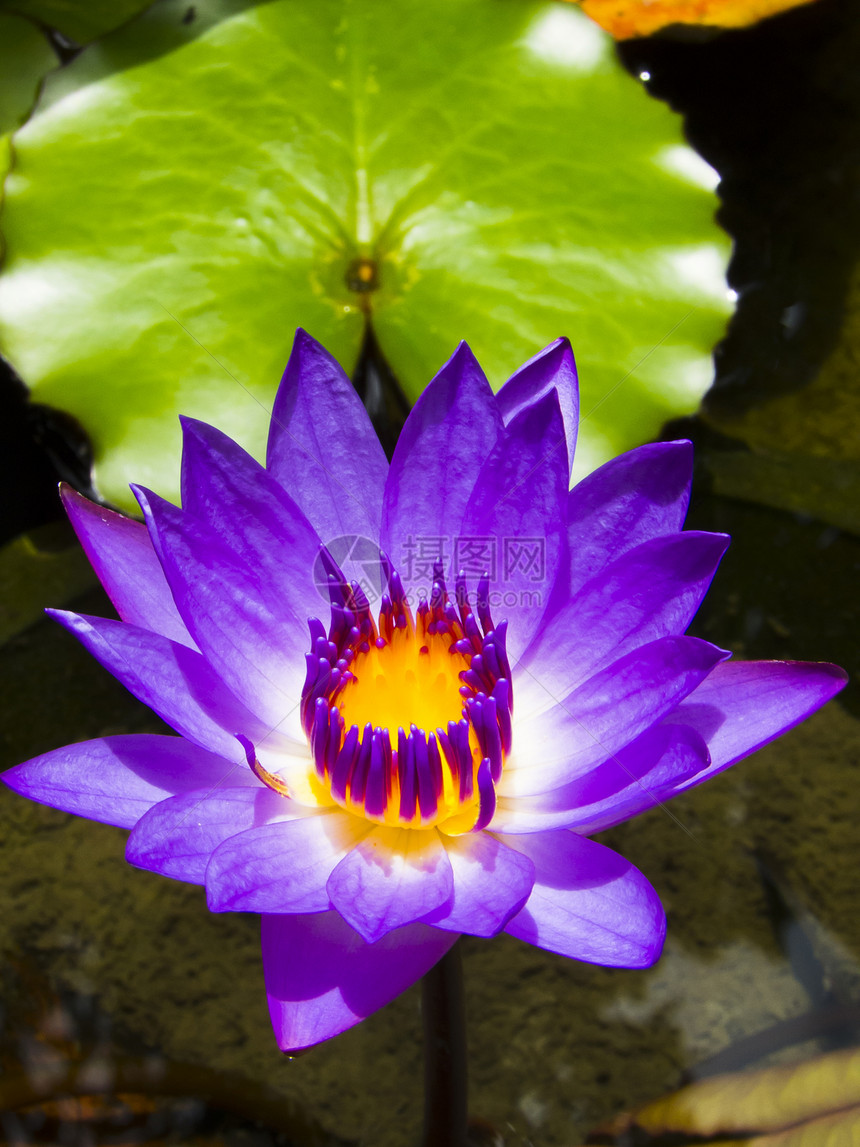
[[386, 621], [337, 591], [376, 787], [270, 780], [500, 643], [319, 735], [360, 602], [333, 739], [502, 697], [250, 751], [341, 773], [427, 766], [317, 629], [487, 796], [311, 675], [406, 767], [361, 768], [359, 774], [458, 755], [491, 659], [486, 728], [483, 603], [461, 594], [330, 566]]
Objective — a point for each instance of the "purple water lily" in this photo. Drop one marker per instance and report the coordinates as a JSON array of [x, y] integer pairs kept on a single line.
[[407, 695]]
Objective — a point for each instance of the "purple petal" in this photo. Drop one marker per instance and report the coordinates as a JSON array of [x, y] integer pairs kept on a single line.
[[245, 630], [178, 836], [282, 867], [641, 495], [519, 502], [322, 447], [491, 883], [252, 515], [174, 681], [743, 705], [606, 713], [652, 591], [322, 978], [452, 428], [638, 777], [551, 368], [393, 877], [588, 903], [121, 553], [116, 780]]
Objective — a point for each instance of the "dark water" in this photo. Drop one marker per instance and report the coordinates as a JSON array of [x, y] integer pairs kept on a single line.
[[124, 975]]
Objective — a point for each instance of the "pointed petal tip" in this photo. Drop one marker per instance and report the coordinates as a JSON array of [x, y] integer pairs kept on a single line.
[[369, 929], [842, 675], [77, 505], [710, 544], [321, 979], [370, 935], [195, 433], [69, 495], [679, 451], [651, 952], [216, 903], [559, 348], [134, 853], [15, 779], [309, 366], [303, 338], [839, 677], [150, 502], [463, 357], [831, 678], [286, 1048], [189, 424], [555, 357], [305, 344], [142, 495]]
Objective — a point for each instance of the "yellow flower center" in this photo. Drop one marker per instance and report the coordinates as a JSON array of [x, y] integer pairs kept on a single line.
[[407, 679], [409, 722]]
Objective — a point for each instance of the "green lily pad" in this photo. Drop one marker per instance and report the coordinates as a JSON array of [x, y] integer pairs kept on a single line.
[[79, 20], [25, 58], [189, 193]]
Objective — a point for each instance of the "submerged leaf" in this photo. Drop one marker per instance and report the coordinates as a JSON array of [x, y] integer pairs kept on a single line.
[[804, 447], [188, 193], [625, 19], [79, 20], [824, 488], [31, 574]]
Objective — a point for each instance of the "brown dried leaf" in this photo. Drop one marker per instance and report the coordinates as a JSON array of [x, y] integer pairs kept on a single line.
[[815, 1103]]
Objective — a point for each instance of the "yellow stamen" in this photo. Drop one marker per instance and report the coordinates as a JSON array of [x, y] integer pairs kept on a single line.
[[413, 679]]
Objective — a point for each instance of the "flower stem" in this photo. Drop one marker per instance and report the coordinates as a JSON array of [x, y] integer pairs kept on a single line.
[[445, 1072]]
